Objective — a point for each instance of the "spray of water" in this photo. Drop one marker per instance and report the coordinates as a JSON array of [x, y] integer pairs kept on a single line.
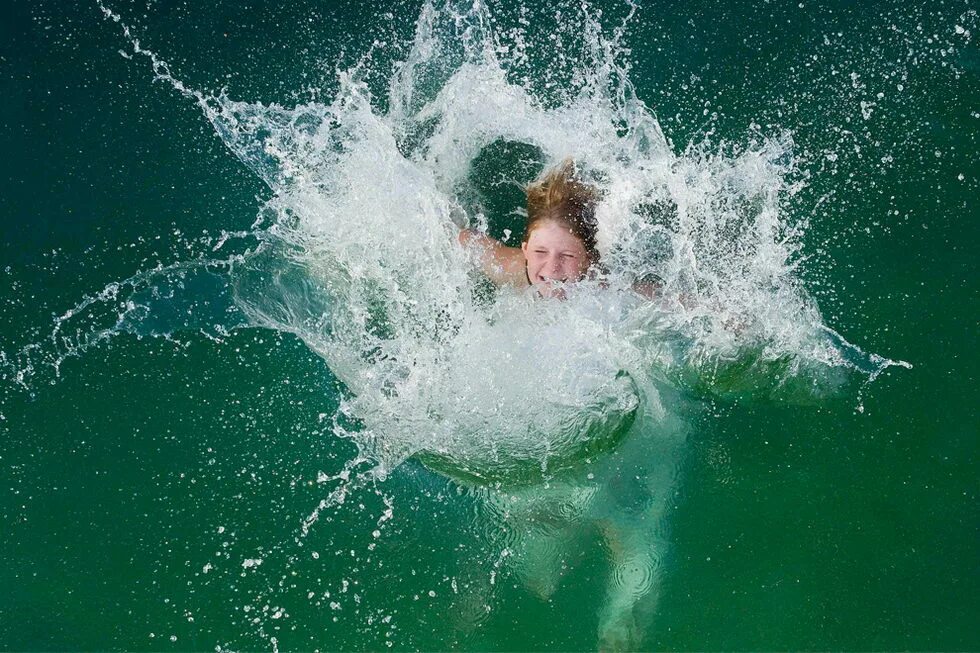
[[357, 255]]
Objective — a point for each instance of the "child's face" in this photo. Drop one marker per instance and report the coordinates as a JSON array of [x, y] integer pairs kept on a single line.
[[554, 253]]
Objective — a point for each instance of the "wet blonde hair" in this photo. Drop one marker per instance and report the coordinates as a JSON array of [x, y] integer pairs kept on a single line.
[[559, 195]]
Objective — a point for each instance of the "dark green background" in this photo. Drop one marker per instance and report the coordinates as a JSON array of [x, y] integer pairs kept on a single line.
[[794, 527]]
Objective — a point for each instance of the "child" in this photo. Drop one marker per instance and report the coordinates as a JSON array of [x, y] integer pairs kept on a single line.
[[559, 244]]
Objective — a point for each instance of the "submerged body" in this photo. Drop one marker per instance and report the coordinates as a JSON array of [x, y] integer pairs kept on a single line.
[[608, 460]]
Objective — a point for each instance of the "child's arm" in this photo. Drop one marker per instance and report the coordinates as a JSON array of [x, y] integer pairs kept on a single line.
[[503, 265]]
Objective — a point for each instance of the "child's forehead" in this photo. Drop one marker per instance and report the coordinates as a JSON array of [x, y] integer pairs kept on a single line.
[[553, 232], [552, 227]]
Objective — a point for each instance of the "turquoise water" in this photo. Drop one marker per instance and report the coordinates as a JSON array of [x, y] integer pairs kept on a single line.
[[146, 477]]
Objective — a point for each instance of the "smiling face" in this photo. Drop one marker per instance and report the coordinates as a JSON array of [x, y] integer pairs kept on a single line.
[[554, 253]]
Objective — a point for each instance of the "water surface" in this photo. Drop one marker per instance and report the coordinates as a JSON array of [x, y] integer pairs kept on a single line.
[[161, 483]]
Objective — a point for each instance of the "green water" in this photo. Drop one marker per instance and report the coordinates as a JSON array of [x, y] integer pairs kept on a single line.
[[847, 523]]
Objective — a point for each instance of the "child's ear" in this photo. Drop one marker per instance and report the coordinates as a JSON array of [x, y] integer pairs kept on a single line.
[[524, 248]]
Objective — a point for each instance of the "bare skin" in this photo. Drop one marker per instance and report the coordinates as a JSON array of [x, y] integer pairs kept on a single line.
[[552, 254], [504, 266]]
